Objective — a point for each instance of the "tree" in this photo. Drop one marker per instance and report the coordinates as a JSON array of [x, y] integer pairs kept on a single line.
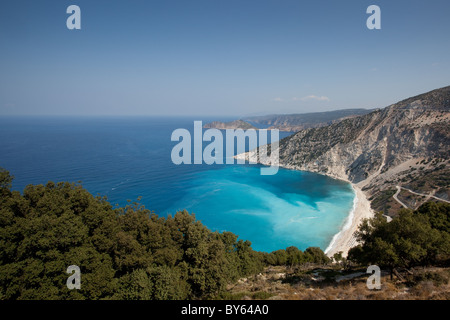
[[413, 238], [294, 256], [123, 253], [337, 257], [438, 215], [316, 255]]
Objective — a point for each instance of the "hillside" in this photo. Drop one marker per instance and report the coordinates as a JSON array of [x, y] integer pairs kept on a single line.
[[404, 146], [124, 253], [315, 282], [297, 122], [236, 124]]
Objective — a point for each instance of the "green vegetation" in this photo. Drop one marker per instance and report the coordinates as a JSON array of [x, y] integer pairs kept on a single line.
[[414, 238], [123, 253], [131, 253], [293, 256], [381, 202], [433, 178]]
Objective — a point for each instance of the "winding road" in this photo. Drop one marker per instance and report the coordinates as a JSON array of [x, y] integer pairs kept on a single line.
[[428, 196], [396, 199]]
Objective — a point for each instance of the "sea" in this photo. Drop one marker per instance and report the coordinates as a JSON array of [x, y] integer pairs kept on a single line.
[[129, 159]]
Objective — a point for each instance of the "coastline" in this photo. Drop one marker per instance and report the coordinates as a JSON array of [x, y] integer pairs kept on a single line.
[[344, 240]]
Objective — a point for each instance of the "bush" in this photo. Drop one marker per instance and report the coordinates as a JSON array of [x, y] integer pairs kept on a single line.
[[414, 238], [123, 253]]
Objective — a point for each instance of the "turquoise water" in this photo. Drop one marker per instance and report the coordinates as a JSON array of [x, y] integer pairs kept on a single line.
[[127, 158], [291, 208]]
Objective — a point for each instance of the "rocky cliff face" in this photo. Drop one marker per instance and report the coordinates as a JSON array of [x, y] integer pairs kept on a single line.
[[406, 144]]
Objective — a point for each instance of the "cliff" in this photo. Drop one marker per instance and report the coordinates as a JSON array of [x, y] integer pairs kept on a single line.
[[404, 146]]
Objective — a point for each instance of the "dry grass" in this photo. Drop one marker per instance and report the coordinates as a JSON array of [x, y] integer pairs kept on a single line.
[[320, 284]]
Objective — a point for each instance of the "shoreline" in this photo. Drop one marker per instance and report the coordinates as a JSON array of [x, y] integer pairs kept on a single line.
[[348, 222], [344, 240]]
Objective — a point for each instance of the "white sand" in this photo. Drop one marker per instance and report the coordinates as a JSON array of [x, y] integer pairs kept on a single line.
[[345, 239]]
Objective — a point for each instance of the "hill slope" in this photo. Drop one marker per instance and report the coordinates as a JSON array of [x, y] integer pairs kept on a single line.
[[405, 144], [297, 122], [236, 124]]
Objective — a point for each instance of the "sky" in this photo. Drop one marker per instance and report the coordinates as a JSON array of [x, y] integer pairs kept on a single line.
[[218, 57]]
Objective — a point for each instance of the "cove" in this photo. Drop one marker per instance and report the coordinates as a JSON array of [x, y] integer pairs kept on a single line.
[[291, 208]]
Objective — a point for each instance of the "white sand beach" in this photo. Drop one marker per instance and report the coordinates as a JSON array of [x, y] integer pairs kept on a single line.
[[345, 239]]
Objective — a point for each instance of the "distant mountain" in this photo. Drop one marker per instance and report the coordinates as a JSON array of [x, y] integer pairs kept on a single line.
[[297, 122], [237, 124], [398, 155]]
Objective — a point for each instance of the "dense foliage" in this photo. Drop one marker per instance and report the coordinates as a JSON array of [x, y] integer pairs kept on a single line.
[[123, 253], [414, 238]]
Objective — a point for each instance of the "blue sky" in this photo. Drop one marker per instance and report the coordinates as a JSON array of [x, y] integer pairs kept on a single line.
[[218, 57]]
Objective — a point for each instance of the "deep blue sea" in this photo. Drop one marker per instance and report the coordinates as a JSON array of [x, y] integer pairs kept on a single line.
[[130, 157]]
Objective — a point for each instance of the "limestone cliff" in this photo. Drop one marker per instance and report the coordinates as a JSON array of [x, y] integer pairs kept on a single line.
[[405, 145]]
